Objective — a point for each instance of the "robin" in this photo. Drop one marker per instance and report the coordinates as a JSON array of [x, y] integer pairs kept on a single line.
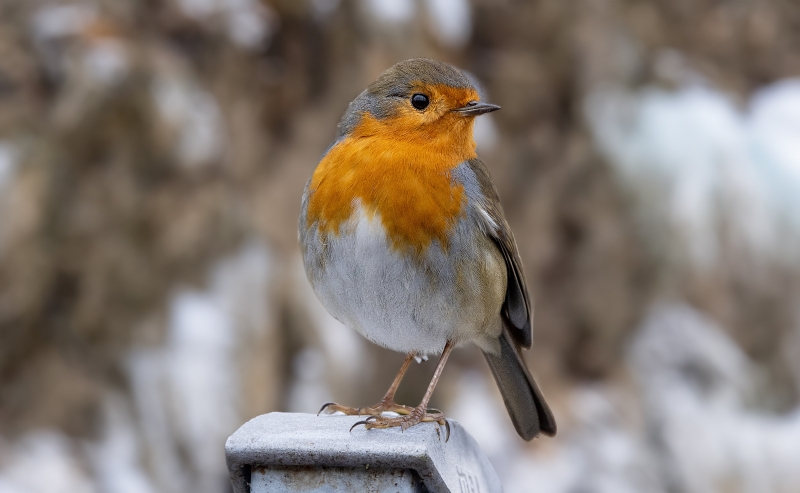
[[404, 240]]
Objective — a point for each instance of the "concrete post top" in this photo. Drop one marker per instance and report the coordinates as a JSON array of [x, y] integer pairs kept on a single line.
[[291, 440]]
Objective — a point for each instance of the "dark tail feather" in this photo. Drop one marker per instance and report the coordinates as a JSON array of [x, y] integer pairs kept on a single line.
[[522, 396]]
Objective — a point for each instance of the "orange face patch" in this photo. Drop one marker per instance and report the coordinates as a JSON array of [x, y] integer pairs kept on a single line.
[[399, 168]]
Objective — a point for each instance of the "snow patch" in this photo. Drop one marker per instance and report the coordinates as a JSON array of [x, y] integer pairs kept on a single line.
[[106, 61], [58, 21], [188, 392], [391, 11], [8, 164], [695, 382], [452, 21], [42, 462], [484, 418], [485, 133], [195, 116], [116, 458], [249, 23], [698, 164], [308, 390], [689, 428]]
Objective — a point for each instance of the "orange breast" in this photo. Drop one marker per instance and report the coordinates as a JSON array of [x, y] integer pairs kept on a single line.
[[398, 171]]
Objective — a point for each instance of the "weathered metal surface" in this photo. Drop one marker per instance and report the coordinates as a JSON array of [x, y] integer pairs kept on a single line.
[[333, 479], [281, 451]]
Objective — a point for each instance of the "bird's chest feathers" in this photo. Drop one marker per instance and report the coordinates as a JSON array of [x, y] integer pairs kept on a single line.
[[405, 183]]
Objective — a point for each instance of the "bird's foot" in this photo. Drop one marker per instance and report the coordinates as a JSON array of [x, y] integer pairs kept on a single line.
[[376, 410], [416, 416]]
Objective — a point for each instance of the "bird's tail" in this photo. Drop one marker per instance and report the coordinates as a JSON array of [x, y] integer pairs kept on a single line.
[[524, 400]]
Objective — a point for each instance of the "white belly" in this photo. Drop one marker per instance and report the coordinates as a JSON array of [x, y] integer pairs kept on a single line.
[[399, 301]]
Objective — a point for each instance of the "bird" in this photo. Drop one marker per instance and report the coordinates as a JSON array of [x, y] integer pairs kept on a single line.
[[404, 240]]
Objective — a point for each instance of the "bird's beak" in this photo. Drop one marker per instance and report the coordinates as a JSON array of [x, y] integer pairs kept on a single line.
[[474, 108]]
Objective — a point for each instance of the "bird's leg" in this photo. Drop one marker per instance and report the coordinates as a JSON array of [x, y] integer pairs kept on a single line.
[[420, 414], [386, 404]]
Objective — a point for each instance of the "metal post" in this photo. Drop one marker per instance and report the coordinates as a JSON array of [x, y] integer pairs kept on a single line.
[[284, 452]]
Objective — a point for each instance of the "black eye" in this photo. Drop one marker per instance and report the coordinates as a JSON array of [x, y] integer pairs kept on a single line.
[[419, 101]]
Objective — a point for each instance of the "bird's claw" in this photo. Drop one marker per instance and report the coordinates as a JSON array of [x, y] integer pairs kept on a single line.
[[407, 421], [362, 422], [324, 406]]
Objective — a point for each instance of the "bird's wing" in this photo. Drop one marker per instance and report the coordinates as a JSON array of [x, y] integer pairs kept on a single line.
[[517, 310]]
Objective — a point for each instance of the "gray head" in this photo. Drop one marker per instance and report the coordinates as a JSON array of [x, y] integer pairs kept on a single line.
[[418, 92]]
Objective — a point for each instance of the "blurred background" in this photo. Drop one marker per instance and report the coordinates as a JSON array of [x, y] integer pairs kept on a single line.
[[152, 298]]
